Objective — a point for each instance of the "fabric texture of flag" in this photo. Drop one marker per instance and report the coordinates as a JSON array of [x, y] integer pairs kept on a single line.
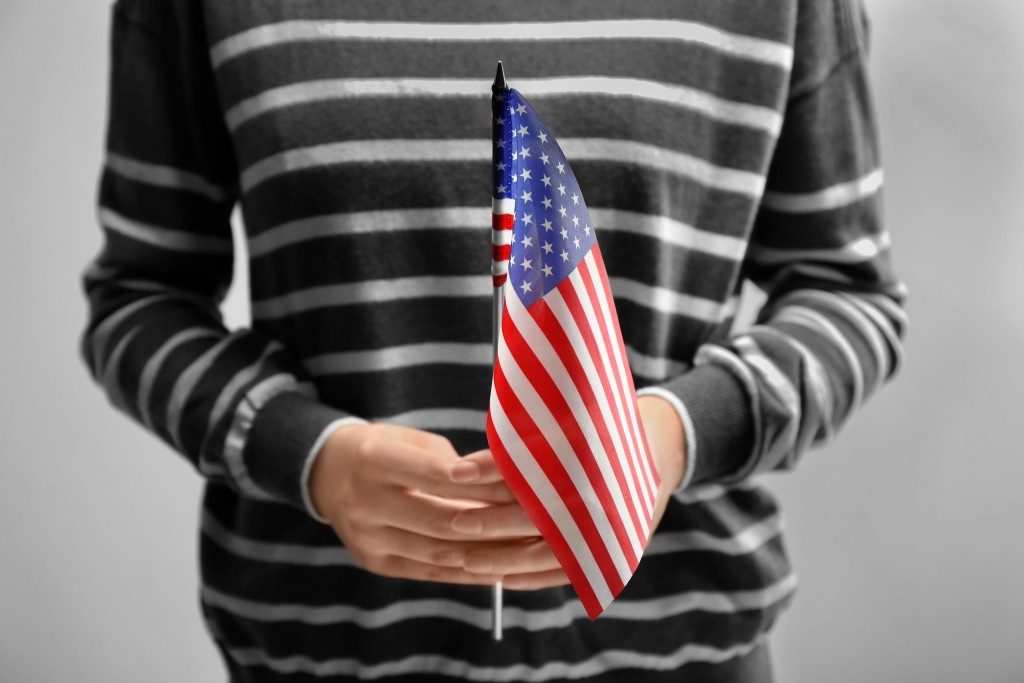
[[563, 423]]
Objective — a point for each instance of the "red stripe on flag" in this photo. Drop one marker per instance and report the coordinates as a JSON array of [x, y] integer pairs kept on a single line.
[[612, 391], [567, 353], [602, 277], [546, 458], [542, 520], [588, 275], [500, 252], [626, 395], [545, 386]]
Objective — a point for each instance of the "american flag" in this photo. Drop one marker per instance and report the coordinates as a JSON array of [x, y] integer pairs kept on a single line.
[[563, 423]]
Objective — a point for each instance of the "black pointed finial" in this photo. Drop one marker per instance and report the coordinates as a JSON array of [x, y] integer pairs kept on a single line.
[[499, 79]]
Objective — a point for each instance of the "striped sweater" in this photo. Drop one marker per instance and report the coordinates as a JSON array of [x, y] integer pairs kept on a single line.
[[718, 142]]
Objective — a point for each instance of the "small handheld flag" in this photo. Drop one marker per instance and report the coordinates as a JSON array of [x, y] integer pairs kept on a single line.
[[563, 423]]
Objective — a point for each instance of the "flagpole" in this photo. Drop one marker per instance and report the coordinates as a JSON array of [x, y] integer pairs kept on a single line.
[[497, 596], [497, 593]]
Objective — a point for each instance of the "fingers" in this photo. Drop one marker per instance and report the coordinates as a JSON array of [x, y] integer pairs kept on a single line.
[[547, 579], [520, 557], [520, 565], [458, 520], [487, 558], [495, 521], [477, 468], [424, 514], [426, 463], [399, 542], [403, 568]]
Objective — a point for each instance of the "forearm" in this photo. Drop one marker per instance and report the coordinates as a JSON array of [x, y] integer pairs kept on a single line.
[[236, 404], [830, 334]]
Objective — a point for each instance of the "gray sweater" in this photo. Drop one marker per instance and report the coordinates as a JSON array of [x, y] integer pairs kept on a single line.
[[716, 142]]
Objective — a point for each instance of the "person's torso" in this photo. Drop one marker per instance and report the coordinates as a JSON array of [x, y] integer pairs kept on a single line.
[[362, 136]]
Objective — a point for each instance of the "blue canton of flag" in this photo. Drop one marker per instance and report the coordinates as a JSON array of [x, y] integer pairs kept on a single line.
[[553, 230]]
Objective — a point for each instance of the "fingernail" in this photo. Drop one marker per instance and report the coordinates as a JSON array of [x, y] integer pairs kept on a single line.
[[466, 524], [479, 565], [465, 472]]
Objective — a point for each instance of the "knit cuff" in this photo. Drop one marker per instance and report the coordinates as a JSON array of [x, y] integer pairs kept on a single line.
[[717, 422], [283, 441]]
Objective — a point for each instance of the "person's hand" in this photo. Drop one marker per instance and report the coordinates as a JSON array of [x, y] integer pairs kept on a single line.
[[404, 503], [526, 563]]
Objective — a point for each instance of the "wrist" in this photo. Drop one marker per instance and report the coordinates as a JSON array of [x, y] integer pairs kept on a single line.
[[666, 437], [322, 468]]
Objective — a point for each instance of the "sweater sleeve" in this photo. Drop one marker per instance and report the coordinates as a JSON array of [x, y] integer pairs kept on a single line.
[[830, 333], [236, 404]]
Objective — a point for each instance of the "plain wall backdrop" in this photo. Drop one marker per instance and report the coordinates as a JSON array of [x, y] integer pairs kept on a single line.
[[907, 532]]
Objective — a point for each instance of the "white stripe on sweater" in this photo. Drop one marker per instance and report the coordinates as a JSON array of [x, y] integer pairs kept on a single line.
[[856, 318], [155, 363], [747, 47], [187, 381], [388, 358], [653, 609], [160, 175], [671, 301], [100, 336], [229, 390], [662, 228], [779, 387], [858, 250], [398, 150], [655, 368], [439, 418], [426, 664], [111, 380], [817, 322], [393, 357], [372, 291], [746, 541], [165, 238], [833, 197], [727, 111], [241, 424], [474, 286], [884, 325], [815, 375]]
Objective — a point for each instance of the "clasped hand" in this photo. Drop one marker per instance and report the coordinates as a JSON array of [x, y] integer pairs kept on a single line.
[[406, 505]]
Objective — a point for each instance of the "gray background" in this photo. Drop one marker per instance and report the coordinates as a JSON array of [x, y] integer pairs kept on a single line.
[[907, 532]]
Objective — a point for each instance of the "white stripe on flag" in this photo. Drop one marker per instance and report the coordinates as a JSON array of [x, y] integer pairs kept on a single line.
[[639, 498], [552, 364], [602, 306], [634, 440], [553, 504], [605, 306], [500, 205], [548, 424]]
